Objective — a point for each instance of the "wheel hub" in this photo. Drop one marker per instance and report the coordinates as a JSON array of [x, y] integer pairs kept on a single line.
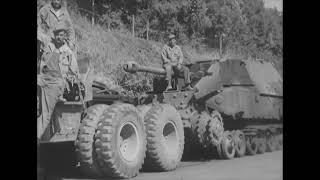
[[171, 138], [129, 142]]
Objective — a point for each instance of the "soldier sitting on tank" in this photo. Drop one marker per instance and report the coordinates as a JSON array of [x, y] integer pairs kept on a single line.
[[172, 58]]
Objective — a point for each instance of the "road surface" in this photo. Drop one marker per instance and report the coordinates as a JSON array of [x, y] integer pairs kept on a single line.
[[267, 166]]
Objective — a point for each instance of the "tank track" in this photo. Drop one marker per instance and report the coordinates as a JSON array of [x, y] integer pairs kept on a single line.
[[205, 141]]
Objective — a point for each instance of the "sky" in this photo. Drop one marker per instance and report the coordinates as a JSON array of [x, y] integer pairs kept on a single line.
[[273, 3]]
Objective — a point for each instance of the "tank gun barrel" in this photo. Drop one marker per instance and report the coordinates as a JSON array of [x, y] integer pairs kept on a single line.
[[133, 67]]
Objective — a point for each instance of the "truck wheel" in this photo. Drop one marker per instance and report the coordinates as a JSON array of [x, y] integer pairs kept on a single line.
[[120, 141], [85, 141], [261, 145], [240, 143], [191, 147], [193, 142], [203, 127], [271, 144], [252, 145], [227, 145], [165, 138]]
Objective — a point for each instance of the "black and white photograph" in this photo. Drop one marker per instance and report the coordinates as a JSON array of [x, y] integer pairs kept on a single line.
[[159, 89]]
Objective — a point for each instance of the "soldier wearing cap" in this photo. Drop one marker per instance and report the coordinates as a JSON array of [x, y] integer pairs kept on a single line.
[[58, 66], [172, 58], [67, 61], [51, 16]]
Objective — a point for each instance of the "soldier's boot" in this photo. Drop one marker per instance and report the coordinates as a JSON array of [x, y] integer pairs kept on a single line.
[[61, 99], [188, 88], [169, 87]]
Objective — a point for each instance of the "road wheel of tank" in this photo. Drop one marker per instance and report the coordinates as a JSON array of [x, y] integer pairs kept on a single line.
[[227, 145], [120, 141], [271, 142], [215, 128], [240, 143], [278, 142], [85, 148], [252, 145], [165, 138], [261, 145], [219, 152]]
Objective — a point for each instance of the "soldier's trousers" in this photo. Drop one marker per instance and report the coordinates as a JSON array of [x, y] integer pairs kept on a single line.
[[51, 89], [173, 70]]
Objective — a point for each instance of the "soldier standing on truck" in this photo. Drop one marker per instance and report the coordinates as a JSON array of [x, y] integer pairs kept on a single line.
[[172, 58], [51, 16], [58, 67], [67, 60]]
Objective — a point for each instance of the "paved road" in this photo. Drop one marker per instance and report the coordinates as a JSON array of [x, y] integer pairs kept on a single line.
[[266, 166]]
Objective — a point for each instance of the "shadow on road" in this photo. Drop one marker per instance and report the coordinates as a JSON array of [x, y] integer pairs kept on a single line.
[[59, 160]]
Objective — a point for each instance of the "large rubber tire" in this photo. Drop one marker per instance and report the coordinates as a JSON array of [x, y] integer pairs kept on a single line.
[[227, 145], [191, 149], [165, 138], [85, 148], [240, 143], [262, 145], [252, 145], [202, 129], [271, 142], [120, 141]]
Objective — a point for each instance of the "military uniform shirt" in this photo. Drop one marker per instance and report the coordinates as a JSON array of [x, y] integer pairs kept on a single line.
[[172, 55], [47, 21], [67, 62]]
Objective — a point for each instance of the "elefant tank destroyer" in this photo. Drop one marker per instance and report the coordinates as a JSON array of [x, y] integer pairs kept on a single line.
[[235, 110]]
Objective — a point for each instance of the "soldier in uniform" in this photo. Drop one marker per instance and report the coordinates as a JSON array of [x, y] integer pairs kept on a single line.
[[58, 65], [172, 58], [67, 61], [51, 16]]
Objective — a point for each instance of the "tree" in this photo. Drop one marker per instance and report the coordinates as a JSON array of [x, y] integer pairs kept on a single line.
[[244, 25]]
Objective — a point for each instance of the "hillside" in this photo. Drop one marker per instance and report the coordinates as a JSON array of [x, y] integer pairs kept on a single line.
[[108, 51]]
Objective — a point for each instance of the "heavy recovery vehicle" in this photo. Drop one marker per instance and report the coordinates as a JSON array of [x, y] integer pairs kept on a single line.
[[235, 110]]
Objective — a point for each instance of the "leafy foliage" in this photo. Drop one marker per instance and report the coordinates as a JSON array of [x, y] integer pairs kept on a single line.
[[246, 25], [247, 28]]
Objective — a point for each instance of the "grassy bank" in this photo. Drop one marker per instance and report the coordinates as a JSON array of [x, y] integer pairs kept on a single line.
[[107, 51]]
